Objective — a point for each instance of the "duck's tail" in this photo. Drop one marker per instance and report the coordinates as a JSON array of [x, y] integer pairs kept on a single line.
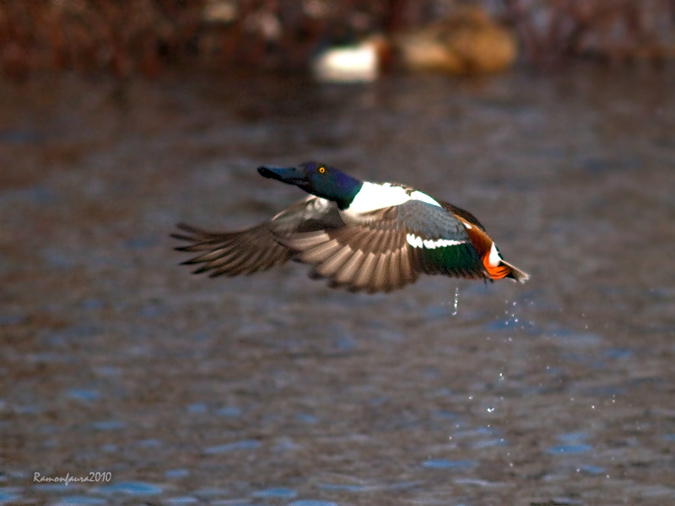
[[505, 270]]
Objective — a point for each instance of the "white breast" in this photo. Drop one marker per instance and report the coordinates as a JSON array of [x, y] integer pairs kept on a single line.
[[376, 196]]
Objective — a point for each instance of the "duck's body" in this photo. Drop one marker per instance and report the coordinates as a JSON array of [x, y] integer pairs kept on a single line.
[[355, 63], [468, 42], [359, 235]]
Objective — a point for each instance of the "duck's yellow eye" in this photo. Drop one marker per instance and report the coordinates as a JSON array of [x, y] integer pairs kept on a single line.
[[322, 169]]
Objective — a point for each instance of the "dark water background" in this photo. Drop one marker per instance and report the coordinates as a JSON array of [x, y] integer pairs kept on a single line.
[[275, 390]]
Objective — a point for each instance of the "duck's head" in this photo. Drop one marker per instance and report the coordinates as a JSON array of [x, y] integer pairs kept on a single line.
[[318, 179]]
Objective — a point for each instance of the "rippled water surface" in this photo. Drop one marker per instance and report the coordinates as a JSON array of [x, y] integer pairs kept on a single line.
[[274, 389]]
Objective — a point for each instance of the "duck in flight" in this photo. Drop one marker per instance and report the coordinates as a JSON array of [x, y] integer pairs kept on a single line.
[[362, 236]]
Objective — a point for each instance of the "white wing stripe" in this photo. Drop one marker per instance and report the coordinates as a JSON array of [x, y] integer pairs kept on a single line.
[[417, 242]]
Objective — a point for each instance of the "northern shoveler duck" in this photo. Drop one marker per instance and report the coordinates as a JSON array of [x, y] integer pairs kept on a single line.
[[375, 237], [468, 42]]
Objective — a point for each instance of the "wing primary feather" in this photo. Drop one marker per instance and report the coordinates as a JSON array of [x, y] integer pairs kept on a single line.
[[348, 270], [320, 252], [364, 277], [331, 265], [382, 277]]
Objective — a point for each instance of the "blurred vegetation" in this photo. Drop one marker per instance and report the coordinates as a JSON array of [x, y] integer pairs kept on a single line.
[[144, 37]]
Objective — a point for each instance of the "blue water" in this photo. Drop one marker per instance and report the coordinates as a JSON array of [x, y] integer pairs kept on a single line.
[[569, 449], [274, 389], [312, 502], [282, 493], [230, 447], [131, 488], [449, 464]]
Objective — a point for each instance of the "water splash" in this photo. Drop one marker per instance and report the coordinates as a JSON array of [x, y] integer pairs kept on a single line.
[[456, 302]]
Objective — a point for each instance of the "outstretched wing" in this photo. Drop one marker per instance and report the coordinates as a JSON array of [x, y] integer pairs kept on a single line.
[[388, 248], [232, 253], [257, 248]]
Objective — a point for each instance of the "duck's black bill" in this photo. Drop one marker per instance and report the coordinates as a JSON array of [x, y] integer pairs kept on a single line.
[[289, 175]]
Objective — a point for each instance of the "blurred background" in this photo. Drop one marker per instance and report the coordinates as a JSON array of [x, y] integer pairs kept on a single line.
[[153, 35], [553, 121]]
